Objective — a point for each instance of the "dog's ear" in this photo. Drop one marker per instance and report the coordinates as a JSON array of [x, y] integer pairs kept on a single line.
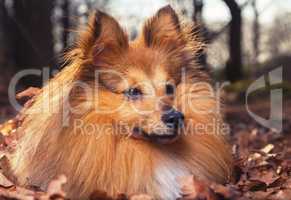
[[162, 29], [102, 36]]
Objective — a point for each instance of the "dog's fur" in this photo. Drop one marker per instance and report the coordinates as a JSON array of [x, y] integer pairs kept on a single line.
[[117, 163]]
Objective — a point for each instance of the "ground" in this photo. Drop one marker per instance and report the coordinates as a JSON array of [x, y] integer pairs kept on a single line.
[[262, 162]]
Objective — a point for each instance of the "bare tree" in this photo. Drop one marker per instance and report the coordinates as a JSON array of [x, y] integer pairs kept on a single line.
[[33, 37], [198, 8], [256, 32], [234, 68], [6, 38], [65, 22], [279, 40], [7, 62], [202, 30]]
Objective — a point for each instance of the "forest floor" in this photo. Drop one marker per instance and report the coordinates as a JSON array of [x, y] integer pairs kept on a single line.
[[262, 163]]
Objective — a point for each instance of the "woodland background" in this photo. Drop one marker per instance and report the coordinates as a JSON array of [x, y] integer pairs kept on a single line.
[[245, 38]]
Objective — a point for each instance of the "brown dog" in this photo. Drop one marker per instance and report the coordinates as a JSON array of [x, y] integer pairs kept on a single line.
[[132, 126]]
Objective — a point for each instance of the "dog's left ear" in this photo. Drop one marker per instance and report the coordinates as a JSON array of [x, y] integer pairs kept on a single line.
[[163, 29]]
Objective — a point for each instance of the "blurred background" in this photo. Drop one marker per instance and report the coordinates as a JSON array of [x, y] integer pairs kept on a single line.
[[245, 38]]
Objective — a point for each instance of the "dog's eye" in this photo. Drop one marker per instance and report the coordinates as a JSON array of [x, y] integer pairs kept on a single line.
[[170, 88], [133, 93]]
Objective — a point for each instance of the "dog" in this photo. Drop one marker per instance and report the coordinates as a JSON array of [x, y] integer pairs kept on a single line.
[[122, 115]]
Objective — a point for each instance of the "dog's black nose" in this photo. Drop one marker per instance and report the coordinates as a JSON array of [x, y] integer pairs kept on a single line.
[[173, 119]]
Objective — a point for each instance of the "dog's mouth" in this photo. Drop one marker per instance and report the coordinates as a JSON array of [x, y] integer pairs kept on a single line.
[[166, 138]]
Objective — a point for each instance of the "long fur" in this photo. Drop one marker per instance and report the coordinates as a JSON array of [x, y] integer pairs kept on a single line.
[[112, 162]]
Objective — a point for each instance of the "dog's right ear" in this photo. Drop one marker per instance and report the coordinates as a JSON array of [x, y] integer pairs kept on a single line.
[[102, 36]]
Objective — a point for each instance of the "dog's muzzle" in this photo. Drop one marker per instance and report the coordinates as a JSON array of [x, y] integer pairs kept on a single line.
[[173, 120]]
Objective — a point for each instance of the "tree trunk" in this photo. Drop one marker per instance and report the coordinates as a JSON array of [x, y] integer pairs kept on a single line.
[[66, 22], [7, 64], [202, 30], [198, 8], [234, 66], [34, 39], [256, 32], [6, 39]]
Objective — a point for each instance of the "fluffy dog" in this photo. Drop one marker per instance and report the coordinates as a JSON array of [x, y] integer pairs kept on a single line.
[[126, 117]]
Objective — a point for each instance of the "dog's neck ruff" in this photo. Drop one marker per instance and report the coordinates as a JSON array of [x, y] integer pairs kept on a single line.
[[166, 175]]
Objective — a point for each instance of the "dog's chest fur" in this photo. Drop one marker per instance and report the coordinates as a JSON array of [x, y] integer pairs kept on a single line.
[[166, 175]]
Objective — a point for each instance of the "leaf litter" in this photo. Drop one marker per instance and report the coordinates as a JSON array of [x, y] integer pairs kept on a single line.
[[262, 166]]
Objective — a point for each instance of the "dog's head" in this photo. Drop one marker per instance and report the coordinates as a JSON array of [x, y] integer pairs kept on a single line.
[[142, 84]]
